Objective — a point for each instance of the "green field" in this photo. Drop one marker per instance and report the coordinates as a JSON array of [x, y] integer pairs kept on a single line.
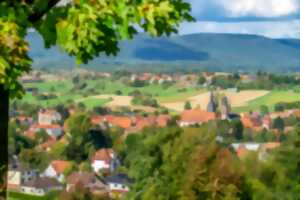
[[65, 94], [93, 102], [270, 100], [21, 196]]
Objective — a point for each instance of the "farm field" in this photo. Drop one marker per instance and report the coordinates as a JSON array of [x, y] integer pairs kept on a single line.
[[270, 100], [201, 101], [102, 92]]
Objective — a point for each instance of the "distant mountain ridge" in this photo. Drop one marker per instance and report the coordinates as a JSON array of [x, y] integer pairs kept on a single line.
[[226, 52]]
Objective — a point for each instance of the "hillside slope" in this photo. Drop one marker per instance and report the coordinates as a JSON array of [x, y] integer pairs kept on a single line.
[[226, 52]]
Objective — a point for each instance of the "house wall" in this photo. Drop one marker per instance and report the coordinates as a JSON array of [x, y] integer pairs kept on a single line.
[[14, 178], [99, 165], [184, 124], [28, 175], [39, 191], [33, 191], [50, 172], [54, 132], [118, 187], [46, 119]]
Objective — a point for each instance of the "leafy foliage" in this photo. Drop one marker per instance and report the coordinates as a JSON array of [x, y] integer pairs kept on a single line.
[[174, 163], [14, 60]]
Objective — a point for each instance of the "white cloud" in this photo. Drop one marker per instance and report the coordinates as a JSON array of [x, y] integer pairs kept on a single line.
[[245, 8], [273, 29], [260, 8]]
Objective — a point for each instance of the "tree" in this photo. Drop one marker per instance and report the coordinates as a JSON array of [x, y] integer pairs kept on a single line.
[[264, 110], [34, 159], [187, 105], [82, 29], [201, 80], [238, 129], [188, 161], [41, 136], [279, 124]]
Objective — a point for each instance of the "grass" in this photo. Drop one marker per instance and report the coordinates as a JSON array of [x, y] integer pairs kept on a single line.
[[64, 93], [20, 196], [93, 102], [270, 100]]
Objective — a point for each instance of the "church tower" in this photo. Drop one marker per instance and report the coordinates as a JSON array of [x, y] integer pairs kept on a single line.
[[212, 105], [225, 108]]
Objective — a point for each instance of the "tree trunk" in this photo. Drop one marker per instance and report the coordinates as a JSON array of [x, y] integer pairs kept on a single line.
[[4, 117]]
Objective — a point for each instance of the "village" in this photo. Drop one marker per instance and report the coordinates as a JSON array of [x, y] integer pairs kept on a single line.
[[102, 175]]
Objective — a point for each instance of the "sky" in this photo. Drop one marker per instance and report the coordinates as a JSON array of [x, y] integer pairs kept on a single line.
[[270, 18]]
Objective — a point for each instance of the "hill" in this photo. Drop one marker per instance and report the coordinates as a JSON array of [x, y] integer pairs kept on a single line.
[[224, 52]]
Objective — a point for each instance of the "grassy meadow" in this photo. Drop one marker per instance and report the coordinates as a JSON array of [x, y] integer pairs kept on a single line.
[[270, 100], [65, 93]]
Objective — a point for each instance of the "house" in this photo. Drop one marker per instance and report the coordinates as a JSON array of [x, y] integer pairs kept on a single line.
[[48, 117], [122, 122], [267, 122], [18, 174], [24, 120], [111, 120], [88, 180], [283, 114], [56, 169], [266, 148], [163, 120], [46, 146], [252, 121], [104, 160], [195, 117], [262, 149], [53, 130], [41, 186], [118, 184]]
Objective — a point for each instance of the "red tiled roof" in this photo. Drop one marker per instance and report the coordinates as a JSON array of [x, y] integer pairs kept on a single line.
[[162, 120], [197, 116], [103, 154], [97, 119], [30, 134], [48, 144], [60, 165], [122, 122]]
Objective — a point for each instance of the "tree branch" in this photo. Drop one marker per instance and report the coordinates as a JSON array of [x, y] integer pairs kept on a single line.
[[38, 15]]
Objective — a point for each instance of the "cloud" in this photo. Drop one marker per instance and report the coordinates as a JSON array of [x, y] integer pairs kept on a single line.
[[260, 8], [272, 29], [219, 10]]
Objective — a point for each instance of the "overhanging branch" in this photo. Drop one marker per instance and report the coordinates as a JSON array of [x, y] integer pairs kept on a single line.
[[36, 16]]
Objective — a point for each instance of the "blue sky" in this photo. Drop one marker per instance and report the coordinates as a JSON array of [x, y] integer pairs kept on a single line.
[[271, 18]]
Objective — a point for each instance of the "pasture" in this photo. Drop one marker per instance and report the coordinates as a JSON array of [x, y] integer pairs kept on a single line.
[[270, 100]]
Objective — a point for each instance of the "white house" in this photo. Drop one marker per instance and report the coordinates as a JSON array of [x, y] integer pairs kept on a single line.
[[48, 117], [18, 174], [104, 160], [118, 184], [41, 186], [56, 170]]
